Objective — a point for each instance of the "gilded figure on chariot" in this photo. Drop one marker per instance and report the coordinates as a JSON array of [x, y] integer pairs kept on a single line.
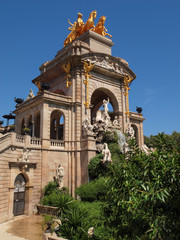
[[78, 28]]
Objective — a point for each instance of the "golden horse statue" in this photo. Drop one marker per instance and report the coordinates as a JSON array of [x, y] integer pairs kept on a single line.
[[90, 22], [100, 28]]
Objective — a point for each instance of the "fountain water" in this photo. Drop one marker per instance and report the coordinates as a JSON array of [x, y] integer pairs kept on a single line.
[[121, 140]]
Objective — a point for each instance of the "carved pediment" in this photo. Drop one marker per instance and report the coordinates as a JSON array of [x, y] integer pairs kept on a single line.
[[106, 63]]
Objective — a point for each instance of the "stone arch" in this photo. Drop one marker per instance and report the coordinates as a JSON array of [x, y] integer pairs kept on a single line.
[[19, 194], [97, 98], [57, 125], [37, 125], [135, 132], [59, 91]]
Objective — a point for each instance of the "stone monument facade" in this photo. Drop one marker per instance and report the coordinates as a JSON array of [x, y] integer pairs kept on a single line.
[[81, 78]]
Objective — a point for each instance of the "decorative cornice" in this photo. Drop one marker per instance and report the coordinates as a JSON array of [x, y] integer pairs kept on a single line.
[[22, 164], [110, 63]]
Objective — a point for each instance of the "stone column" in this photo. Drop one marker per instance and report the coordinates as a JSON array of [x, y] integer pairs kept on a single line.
[[88, 151], [45, 136], [124, 124], [28, 200], [33, 126], [11, 203], [78, 125]]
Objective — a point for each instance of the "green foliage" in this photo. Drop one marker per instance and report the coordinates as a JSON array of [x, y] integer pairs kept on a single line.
[[53, 196], [116, 154], [48, 223], [26, 130], [140, 195], [93, 190], [143, 197], [95, 219], [96, 168], [162, 140], [73, 223], [50, 188], [110, 137], [12, 127], [63, 202]]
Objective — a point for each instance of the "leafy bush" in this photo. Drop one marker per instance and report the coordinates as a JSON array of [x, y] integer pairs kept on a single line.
[[50, 188], [142, 200], [93, 190], [48, 223], [63, 202], [116, 154], [110, 137], [55, 197], [164, 140], [96, 168], [73, 223]]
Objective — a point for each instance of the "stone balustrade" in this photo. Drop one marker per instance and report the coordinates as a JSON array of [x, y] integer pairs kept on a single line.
[[19, 138], [35, 141], [56, 143], [16, 140]]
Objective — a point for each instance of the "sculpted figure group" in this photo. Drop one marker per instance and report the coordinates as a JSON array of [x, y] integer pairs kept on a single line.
[[78, 28]]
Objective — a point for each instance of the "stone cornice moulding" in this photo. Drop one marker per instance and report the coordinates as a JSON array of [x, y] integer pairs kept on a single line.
[[22, 164], [40, 99]]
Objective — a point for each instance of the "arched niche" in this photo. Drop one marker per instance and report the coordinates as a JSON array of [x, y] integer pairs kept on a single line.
[[57, 125], [97, 100], [30, 124], [22, 126], [19, 195], [37, 125], [135, 132]]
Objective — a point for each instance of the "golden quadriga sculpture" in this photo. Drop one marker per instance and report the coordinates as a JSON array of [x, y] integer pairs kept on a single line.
[[78, 28]]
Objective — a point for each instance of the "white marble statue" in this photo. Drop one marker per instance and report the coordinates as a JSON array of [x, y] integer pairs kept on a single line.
[[107, 121], [60, 175], [106, 154], [91, 232], [30, 95], [87, 128], [116, 123], [25, 156], [130, 132], [145, 149], [105, 105], [99, 115]]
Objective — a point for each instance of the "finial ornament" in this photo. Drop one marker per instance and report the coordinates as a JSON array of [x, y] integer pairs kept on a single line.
[[67, 69], [127, 81], [87, 69], [78, 28]]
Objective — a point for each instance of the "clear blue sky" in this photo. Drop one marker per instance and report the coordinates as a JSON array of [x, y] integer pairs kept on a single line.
[[145, 32]]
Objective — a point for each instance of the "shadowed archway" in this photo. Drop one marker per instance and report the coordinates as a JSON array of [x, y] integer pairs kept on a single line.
[[97, 100]]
